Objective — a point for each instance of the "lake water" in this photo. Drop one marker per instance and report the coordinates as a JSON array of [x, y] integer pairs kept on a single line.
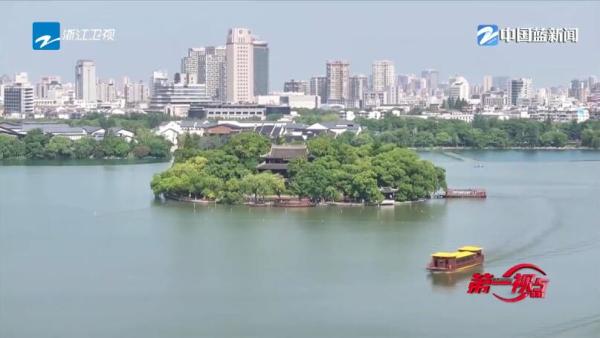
[[85, 251]]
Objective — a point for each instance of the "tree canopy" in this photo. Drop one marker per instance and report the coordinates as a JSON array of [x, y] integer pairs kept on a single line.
[[37, 145], [348, 168], [483, 132]]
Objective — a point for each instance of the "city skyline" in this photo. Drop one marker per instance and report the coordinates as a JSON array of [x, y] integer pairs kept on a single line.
[[301, 54]]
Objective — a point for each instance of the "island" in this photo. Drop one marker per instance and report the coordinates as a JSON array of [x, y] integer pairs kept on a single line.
[[246, 168]]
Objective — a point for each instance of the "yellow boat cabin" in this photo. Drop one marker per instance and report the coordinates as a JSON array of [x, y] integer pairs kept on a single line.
[[464, 257]]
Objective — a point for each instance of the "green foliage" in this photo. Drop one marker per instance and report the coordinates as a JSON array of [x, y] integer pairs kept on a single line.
[[591, 138], [483, 132], [260, 185], [226, 171], [11, 147], [84, 148], [554, 138], [131, 122], [247, 147], [312, 116], [158, 146], [35, 142], [345, 172], [36, 145], [113, 146], [59, 148]]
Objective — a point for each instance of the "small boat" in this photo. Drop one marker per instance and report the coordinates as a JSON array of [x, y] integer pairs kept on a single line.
[[387, 203], [464, 258]]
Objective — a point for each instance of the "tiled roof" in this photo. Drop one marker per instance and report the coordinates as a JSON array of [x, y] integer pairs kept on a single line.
[[287, 152]]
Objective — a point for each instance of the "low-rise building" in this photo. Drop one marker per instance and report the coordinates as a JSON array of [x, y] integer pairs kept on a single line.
[[64, 130], [225, 111]]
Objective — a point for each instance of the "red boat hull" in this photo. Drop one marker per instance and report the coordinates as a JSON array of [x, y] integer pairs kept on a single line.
[[467, 265]]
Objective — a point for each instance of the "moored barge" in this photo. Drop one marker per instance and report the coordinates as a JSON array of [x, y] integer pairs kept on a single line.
[[465, 257], [466, 193]]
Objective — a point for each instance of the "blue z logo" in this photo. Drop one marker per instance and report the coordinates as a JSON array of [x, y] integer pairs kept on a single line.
[[46, 36], [487, 35]]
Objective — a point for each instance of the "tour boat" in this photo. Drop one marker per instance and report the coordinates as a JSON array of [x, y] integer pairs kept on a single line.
[[464, 258]]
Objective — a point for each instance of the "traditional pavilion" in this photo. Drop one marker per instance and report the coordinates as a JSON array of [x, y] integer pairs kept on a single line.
[[278, 158]]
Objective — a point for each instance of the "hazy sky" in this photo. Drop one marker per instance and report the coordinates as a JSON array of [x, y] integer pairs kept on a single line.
[[303, 35]]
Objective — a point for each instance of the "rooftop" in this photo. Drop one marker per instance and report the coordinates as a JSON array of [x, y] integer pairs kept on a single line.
[[470, 248], [287, 152], [456, 254]]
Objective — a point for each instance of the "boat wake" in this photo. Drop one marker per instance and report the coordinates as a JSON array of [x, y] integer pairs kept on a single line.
[[498, 256], [567, 326]]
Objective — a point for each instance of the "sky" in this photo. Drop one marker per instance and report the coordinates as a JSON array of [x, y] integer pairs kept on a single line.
[[155, 35]]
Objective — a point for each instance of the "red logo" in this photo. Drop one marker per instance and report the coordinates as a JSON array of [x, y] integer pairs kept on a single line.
[[523, 284]]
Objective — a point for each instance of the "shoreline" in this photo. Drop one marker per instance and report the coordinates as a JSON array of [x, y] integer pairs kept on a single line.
[[506, 148], [76, 162], [294, 206], [116, 161]]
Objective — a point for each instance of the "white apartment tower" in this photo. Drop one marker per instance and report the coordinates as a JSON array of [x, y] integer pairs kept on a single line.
[[240, 66], [18, 97], [213, 66], [459, 88], [338, 82], [358, 88], [85, 81], [190, 64], [383, 75], [487, 83]]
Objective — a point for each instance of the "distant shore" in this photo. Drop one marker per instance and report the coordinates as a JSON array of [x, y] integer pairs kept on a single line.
[[75, 162], [505, 148]]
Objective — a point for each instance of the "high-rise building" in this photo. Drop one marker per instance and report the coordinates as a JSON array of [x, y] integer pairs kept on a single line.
[[318, 86], [296, 86], [359, 85], [213, 72], [85, 81], [487, 83], [591, 81], [501, 83], [18, 97], [338, 82], [261, 67], [432, 77], [578, 90], [106, 91], [383, 75], [190, 64], [135, 92], [240, 66], [42, 87], [158, 78], [520, 89], [459, 88]]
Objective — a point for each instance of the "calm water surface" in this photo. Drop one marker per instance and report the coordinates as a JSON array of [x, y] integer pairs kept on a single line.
[[85, 251]]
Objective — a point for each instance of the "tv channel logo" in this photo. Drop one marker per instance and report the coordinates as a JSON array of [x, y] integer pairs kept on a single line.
[[487, 35], [46, 35]]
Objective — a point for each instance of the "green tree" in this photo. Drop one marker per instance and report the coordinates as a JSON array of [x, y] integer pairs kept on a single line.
[[84, 148], [59, 147], [554, 138], [260, 185], [11, 147], [35, 142]]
